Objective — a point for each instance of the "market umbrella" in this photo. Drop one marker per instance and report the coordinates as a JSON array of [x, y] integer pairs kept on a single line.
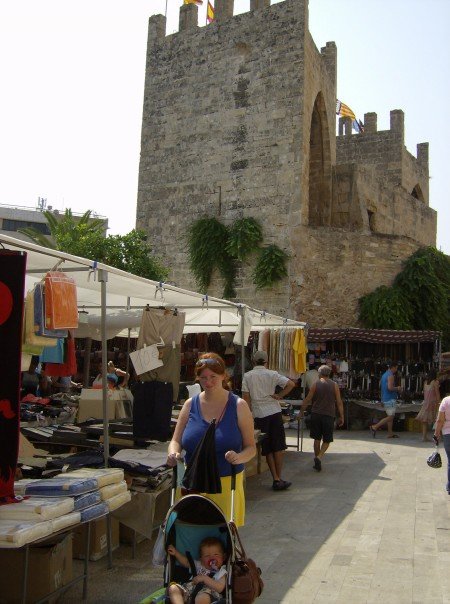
[[202, 471]]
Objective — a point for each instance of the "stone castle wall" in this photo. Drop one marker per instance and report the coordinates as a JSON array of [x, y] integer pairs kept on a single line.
[[239, 120], [222, 128]]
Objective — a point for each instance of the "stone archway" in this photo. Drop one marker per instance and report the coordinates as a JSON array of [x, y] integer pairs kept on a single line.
[[319, 208]]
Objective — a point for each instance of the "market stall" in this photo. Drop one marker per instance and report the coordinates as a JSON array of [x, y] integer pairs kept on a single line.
[[113, 302], [359, 357]]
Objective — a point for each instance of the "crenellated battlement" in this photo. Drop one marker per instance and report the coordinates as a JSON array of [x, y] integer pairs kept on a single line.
[[396, 132], [239, 121], [188, 17]]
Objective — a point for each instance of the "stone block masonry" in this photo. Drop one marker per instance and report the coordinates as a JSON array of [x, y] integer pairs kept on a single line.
[[239, 120]]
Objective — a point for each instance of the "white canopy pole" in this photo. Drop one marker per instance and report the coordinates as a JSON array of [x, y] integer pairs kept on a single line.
[[103, 279], [242, 313]]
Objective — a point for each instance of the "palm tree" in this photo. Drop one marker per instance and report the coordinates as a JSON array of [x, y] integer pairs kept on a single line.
[[65, 231]]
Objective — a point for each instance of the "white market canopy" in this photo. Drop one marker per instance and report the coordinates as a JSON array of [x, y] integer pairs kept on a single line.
[[123, 296]]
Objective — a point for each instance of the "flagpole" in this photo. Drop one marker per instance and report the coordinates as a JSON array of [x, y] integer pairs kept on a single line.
[[166, 9]]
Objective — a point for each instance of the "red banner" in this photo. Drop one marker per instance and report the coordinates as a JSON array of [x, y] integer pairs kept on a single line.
[[12, 284]]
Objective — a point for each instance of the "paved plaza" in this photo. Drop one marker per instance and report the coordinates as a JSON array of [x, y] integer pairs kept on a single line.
[[373, 526]]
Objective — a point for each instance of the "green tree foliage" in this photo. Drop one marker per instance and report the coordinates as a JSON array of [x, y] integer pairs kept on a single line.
[[425, 280], [66, 231], [418, 299], [85, 238], [132, 253], [386, 308]]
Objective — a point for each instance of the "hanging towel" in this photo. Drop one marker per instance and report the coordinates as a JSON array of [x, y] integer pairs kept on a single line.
[[31, 336], [39, 315], [61, 310]]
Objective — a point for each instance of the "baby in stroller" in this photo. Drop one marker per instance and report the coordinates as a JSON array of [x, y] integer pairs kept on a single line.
[[209, 582]]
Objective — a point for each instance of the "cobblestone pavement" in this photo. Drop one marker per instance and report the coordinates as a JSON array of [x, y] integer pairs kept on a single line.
[[373, 526]]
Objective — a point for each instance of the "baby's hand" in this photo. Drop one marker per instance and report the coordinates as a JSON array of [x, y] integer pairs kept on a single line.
[[198, 579]]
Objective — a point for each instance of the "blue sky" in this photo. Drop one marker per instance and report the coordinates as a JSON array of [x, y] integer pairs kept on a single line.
[[72, 77]]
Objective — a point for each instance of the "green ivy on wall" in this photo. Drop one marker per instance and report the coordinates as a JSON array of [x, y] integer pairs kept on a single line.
[[245, 235], [207, 242], [212, 245], [271, 267]]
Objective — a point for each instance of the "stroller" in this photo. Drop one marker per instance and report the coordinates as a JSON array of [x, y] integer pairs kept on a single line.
[[187, 523]]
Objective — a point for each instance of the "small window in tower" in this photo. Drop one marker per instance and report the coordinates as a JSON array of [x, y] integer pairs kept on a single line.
[[371, 217], [417, 193]]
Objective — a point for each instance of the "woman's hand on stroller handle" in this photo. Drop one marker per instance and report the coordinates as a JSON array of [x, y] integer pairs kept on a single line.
[[173, 458], [232, 457]]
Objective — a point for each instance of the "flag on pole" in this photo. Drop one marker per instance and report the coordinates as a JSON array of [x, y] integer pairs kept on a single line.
[[198, 2], [209, 12], [358, 126], [344, 110]]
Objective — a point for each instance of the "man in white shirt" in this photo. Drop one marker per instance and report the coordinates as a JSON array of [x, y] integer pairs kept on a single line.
[[258, 389]]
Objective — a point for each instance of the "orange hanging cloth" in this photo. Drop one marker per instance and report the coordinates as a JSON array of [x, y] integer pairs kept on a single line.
[[61, 310]]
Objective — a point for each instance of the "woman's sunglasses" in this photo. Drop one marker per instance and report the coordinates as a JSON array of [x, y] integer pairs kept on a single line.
[[202, 362]]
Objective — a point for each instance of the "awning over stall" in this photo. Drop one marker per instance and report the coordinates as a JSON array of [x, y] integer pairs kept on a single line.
[[127, 295], [383, 336]]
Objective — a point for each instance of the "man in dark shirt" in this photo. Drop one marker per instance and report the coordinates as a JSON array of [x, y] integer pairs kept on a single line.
[[324, 395]]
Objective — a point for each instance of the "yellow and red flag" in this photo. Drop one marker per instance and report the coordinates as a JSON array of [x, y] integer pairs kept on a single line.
[[209, 12], [198, 2]]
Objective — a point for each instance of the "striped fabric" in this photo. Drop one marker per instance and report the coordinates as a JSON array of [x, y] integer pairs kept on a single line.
[[209, 12], [344, 110]]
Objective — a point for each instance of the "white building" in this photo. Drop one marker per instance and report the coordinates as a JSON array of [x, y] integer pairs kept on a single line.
[[13, 218]]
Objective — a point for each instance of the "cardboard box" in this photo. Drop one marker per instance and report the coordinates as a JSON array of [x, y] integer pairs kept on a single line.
[[118, 404], [99, 539], [127, 535], [49, 568]]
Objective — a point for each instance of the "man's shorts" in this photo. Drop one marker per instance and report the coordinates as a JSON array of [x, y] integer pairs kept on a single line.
[[321, 427], [389, 409], [275, 436]]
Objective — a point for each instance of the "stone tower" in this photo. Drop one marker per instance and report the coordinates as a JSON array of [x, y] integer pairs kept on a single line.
[[239, 120]]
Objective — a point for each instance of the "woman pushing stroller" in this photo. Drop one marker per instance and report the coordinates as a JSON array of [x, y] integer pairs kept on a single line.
[[210, 578], [234, 433]]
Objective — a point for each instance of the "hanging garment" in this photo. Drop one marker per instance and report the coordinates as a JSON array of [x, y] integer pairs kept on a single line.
[[69, 365], [300, 349], [169, 371], [160, 325], [245, 324], [61, 311], [152, 410], [31, 337], [157, 325], [53, 354], [39, 315]]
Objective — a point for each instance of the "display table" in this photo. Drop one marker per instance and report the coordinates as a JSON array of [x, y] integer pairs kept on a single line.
[[400, 407], [48, 539]]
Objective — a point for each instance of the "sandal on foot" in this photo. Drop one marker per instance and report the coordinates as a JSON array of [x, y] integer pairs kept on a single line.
[[317, 464], [373, 431]]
